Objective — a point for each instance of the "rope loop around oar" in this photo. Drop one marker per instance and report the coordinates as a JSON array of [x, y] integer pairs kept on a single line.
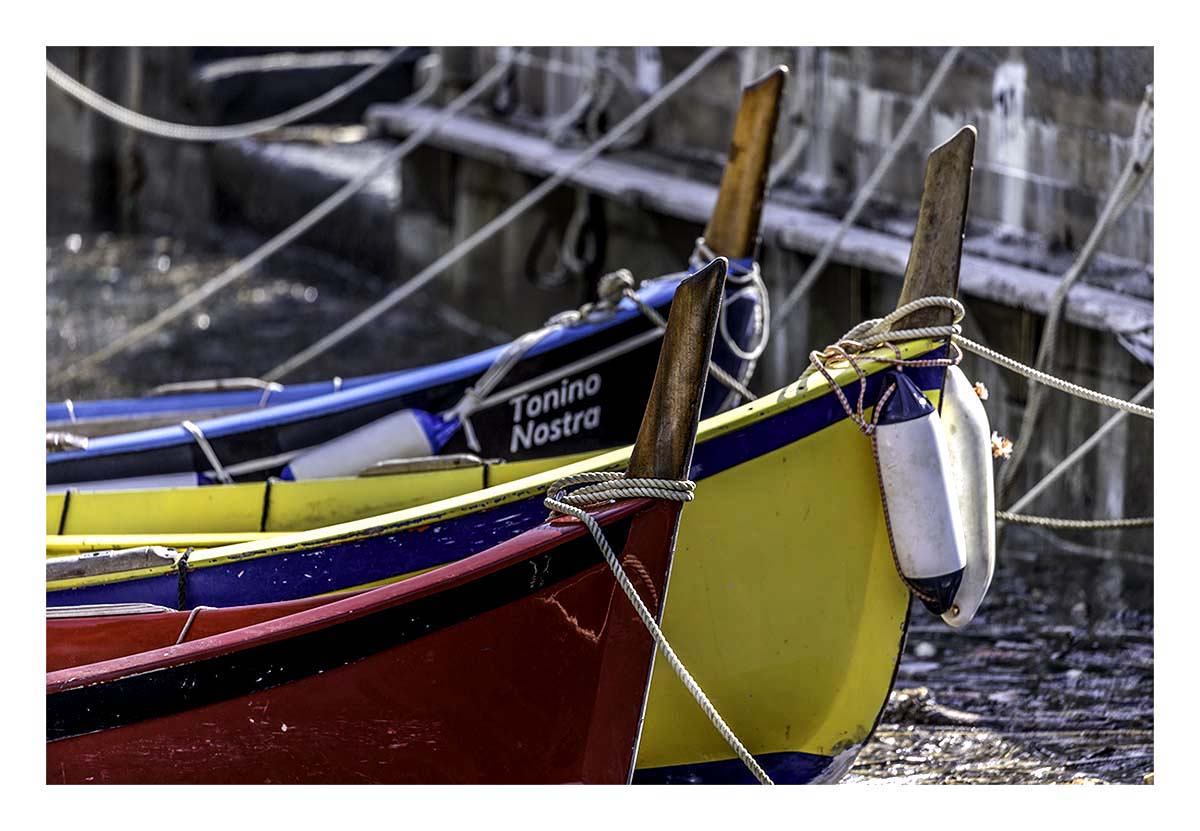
[[594, 489], [852, 349]]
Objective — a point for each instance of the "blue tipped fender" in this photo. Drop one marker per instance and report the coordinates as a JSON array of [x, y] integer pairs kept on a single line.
[[919, 502], [406, 434]]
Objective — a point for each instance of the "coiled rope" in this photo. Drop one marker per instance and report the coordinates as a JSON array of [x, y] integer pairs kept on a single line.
[[196, 133], [752, 289], [595, 489], [284, 238], [494, 226], [623, 279], [850, 347]]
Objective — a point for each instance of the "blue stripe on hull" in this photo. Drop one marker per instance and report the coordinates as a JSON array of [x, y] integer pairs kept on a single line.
[[789, 768], [345, 565]]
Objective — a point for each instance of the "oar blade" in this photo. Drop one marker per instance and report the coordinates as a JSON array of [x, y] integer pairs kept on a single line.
[[733, 227], [664, 443]]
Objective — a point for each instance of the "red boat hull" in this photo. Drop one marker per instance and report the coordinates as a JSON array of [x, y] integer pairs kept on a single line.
[[523, 664]]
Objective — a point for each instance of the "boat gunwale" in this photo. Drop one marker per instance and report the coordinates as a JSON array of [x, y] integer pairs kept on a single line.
[[399, 383], [431, 513], [524, 546]]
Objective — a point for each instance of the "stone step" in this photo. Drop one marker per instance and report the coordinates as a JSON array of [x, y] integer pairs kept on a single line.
[[243, 87]]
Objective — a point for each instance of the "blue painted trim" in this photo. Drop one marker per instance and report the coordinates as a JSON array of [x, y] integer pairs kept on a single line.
[[199, 401], [311, 571], [786, 768]]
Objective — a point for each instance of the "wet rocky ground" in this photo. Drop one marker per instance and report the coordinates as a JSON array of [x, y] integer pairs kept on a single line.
[[98, 286], [1052, 683]]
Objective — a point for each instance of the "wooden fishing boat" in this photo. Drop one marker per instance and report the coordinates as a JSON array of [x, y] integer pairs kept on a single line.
[[576, 388], [796, 639], [522, 663]]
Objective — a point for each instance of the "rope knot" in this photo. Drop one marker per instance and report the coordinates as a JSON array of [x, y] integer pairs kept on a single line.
[[594, 489], [852, 349], [614, 285]]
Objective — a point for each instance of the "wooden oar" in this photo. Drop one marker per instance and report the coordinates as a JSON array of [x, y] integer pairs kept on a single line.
[[664, 443], [733, 227], [936, 253]]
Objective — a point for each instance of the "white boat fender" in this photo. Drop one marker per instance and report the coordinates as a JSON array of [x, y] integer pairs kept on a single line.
[[401, 435], [919, 504], [968, 438]]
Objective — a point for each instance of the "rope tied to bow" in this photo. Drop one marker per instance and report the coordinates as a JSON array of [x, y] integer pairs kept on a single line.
[[853, 348], [475, 395], [592, 490]]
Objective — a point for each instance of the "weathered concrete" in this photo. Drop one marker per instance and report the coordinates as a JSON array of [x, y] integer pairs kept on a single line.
[[790, 227]]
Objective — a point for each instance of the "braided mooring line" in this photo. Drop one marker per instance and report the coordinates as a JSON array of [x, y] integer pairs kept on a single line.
[[501, 220], [1080, 524], [1052, 381], [285, 237], [198, 133], [600, 487]]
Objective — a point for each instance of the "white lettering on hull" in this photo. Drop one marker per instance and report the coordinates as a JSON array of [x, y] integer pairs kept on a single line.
[[528, 433]]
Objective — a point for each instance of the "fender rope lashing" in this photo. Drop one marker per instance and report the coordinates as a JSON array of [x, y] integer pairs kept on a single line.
[[851, 349]]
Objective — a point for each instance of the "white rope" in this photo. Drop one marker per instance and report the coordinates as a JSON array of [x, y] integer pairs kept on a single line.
[[753, 289], [1132, 178], [612, 288], [657, 319], [242, 267], [499, 222], [600, 488], [190, 132], [868, 189], [475, 394], [1052, 381], [1079, 524], [878, 332], [1079, 452], [206, 448]]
